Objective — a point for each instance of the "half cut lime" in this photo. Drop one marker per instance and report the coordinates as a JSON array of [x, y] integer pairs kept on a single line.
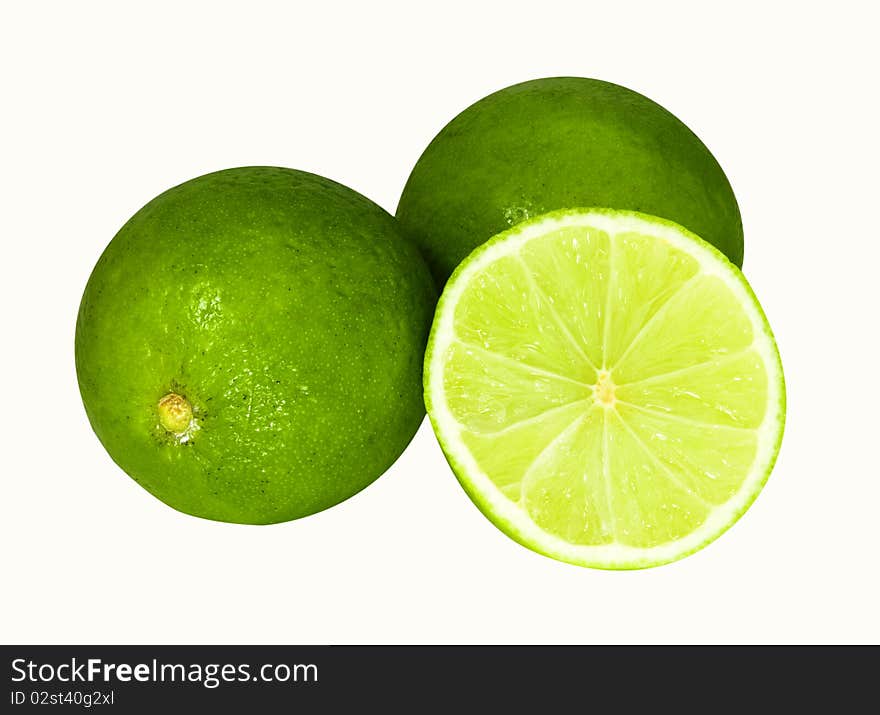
[[605, 387]]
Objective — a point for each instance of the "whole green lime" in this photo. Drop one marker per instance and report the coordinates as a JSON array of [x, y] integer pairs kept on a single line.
[[249, 345], [557, 143]]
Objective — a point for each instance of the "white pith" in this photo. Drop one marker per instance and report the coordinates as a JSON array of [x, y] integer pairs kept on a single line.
[[509, 514]]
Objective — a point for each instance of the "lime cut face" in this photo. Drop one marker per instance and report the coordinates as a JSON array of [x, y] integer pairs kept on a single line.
[[606, 387]]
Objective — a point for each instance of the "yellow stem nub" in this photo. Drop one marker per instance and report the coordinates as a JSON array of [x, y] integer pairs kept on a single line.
[[175, 413]]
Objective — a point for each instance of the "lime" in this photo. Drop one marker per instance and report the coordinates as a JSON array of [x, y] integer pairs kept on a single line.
[[557, 143], [249, 346], [605, 387]]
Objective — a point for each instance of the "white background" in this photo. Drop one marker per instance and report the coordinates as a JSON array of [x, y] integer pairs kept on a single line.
[[104, 105]]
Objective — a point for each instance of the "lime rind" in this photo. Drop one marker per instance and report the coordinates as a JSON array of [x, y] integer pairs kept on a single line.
[[513, 519]]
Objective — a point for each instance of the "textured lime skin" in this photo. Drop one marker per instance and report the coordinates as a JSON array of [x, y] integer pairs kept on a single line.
[[558, 143], [292, 315]]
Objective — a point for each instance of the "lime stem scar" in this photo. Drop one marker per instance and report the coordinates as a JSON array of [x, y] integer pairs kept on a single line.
[[175, 413]]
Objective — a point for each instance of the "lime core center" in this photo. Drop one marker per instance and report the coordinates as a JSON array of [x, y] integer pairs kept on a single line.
[[603, 390], [175, 413]]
